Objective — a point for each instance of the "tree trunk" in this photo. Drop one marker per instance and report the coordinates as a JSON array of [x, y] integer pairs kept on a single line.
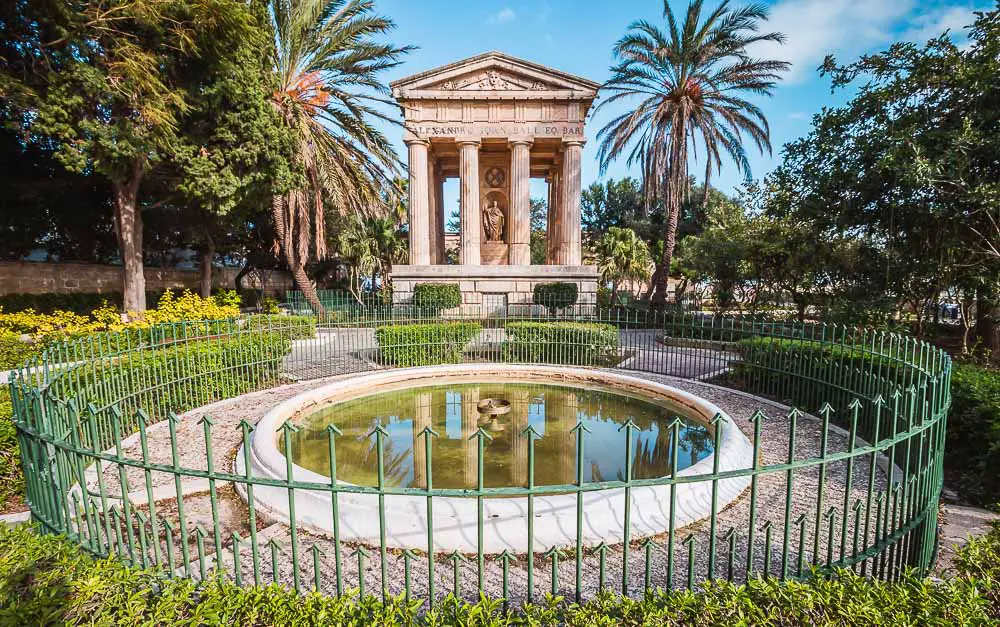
[[676, 181], [988, 321], [296, 265], [128, 229], [207, 256], [708, 179]]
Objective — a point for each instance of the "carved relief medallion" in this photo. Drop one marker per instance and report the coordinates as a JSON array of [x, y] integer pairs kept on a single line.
[[495, 177]]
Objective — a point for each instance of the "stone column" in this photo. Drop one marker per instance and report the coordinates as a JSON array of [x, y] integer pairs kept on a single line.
[[438, 192], [432, 212], [569, 235], [468, 167], [418, 197], [552, 220], [520, 203]]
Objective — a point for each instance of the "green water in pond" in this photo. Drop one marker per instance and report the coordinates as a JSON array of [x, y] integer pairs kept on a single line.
[[451, 411]]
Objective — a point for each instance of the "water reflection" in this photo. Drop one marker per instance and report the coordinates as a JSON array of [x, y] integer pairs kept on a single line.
[[450, 410]]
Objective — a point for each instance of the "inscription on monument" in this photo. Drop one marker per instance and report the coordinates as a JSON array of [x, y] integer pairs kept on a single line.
[[487, 129]]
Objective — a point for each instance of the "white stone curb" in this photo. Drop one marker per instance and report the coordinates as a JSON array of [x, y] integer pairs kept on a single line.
[[505, 525]]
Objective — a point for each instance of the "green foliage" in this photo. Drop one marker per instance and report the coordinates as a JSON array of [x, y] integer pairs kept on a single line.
[[218, 366], [973, 435], [555, 296], [79, 303], [437, 296], [14, 350], [46, 580], [577, 343], [408, 345], [695, 73], [622, 257], [370, 246], [292, 327], [11, 474]]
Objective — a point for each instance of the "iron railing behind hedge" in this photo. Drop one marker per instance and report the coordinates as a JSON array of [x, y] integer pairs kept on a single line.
[[85, 411]]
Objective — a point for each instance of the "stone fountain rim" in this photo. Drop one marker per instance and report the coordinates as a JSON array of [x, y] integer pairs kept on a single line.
[[455, 518]]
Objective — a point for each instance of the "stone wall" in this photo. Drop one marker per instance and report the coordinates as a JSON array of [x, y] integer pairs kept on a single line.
[[482, 285], [30, 277]]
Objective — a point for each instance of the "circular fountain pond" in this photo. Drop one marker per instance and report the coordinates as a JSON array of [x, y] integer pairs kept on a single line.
[[510, 404]]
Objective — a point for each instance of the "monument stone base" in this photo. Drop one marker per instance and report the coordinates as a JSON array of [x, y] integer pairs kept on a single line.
[[491, 287]]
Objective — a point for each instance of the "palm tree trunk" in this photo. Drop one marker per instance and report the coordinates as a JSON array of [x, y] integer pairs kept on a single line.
[[295, 264], [676, 181]]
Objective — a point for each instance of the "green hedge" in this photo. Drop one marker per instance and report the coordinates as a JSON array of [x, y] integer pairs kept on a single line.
[[437, 296], [973, 437], [555, 295], [425, 344], [578, 343], [47, 580], [293, 327], [176, 376]]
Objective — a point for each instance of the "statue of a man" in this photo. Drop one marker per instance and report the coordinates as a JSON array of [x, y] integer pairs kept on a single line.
[[493, 222]]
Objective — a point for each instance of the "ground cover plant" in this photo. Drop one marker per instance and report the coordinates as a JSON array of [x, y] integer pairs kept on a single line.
[[48, 580], [973, 444]]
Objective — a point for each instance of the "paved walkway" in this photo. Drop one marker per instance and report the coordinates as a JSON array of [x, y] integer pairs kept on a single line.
[[340, 351], [959, 523]]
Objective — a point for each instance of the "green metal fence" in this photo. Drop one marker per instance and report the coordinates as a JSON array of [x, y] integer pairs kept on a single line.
[[112, 460]]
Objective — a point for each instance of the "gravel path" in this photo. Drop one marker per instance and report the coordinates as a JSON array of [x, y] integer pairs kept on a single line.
[[772, 487]]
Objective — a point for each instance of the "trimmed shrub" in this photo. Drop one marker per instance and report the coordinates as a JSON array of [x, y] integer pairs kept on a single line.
[[973, 435], [47, 580], [425, 344], [292, 327], [578, 343], [437, 296], [175, 377], [555, 296]]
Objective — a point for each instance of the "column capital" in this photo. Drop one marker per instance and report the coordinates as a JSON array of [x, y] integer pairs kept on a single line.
[[468, 141], [416, 141], [574, 141], [521, 141]]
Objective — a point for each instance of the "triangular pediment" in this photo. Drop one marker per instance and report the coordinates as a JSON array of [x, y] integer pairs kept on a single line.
[[491, 73]]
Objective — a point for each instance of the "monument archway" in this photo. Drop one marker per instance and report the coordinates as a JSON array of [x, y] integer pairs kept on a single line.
[[494, 121]]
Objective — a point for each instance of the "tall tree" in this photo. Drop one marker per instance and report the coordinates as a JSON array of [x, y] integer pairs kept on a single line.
[[622, 256], [371, 246], [690, 82], [328, 65], [104, 82]]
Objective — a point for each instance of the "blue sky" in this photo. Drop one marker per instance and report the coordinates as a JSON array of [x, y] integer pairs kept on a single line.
[[577, 37]]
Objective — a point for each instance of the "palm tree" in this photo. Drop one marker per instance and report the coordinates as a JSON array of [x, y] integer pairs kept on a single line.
[[327, 64], [622, 256], [690, 81], [371, 246]]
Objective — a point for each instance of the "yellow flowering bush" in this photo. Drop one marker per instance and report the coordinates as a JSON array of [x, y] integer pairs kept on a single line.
[[24, 333]]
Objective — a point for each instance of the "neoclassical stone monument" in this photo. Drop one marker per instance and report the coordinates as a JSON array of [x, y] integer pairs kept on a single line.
[[494, 121]]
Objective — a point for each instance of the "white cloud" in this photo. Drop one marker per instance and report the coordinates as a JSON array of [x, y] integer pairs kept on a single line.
[[849, 28], [930, 25], [816, 28], [502, 16], [798, 115]]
